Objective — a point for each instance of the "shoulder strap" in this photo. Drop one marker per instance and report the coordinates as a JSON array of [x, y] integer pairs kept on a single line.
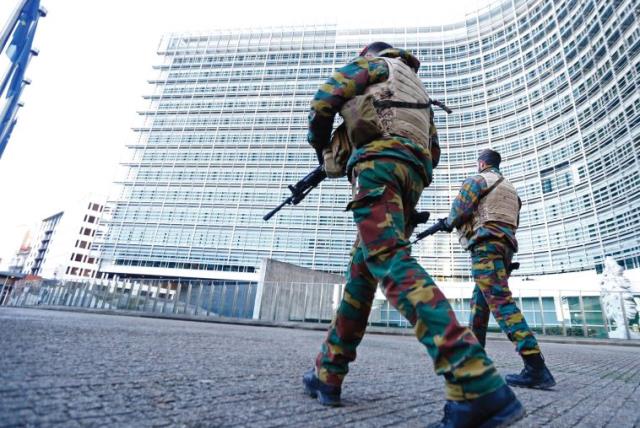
[[493, 186], [403, 104]]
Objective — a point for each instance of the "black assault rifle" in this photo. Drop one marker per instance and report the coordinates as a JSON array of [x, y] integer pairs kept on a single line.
[[300, 190], [441, 226]]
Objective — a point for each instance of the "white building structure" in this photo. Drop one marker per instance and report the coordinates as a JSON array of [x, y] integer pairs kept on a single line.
[[63, 246], [551, 85], [19, 260]]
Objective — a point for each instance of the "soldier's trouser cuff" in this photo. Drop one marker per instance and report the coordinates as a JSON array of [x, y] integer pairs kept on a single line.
[[473, 388], [525, 352], [329, 378], [525, 341]]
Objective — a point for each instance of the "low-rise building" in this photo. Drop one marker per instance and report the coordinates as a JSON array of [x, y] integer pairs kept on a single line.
[[63, 247], [18, 261]]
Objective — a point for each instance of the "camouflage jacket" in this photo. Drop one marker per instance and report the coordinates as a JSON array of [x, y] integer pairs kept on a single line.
[[467, 202], [350, 81]]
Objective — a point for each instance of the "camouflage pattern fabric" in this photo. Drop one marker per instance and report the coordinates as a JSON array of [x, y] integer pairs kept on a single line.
[[492, 295], [466, 203], [350, 81], [387, 192]]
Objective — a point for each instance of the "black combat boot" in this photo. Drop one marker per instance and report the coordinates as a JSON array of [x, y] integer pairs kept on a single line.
[[498, 409], [327, 395], [534, 375]]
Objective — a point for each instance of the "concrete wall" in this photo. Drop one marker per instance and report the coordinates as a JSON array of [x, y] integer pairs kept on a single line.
[[287, 292]]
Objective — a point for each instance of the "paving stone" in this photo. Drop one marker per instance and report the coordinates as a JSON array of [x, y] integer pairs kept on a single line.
[[85, 369]]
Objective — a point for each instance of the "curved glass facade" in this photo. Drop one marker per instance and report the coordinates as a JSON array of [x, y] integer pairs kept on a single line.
[[552, 85]]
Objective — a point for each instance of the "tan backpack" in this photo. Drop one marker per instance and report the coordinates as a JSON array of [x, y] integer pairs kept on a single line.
[[337, 153]]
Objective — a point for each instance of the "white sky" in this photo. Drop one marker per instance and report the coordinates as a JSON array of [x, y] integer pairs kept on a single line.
[[90, 75]]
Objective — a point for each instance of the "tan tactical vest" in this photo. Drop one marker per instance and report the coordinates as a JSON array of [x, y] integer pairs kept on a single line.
[[501, 204], [403, 85]]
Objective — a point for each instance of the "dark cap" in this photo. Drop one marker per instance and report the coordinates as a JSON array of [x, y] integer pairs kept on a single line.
[[375, 47], [490, 157]]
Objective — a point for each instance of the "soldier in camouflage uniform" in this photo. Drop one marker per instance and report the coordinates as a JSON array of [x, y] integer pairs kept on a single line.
[[486, 214], [390, 172]]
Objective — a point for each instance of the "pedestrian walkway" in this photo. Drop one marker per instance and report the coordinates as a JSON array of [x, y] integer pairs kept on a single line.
[[82, 369]]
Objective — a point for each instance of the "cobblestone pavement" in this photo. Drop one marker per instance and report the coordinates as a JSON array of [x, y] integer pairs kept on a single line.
[[77, 369]]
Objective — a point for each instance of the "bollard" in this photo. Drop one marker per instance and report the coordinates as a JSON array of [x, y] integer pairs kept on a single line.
[[320, 303], [245, 304], [77, 294], [210, 304], [235, 299], [564, 326], [105, 291], [49, 297], [627, 334], [221, 303], [127, 291], [585, 331], [544, 331], [291, 299], [177, 300], [59, 293], [605, 322], [187, 301], [138, 289], [198, 299], [274, 304], [156, 296], [83, 294], [2, 296], [304, 308]]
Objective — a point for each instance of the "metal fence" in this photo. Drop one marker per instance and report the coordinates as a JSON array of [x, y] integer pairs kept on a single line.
[[564, 313], [210, 298]]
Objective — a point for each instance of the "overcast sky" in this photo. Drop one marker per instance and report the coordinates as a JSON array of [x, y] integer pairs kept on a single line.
[[90, 75]]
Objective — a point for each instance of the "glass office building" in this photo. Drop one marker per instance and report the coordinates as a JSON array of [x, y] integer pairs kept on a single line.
[[553, 85]]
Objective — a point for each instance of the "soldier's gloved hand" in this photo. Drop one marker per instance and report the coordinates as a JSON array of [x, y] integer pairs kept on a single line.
[[444, 225]]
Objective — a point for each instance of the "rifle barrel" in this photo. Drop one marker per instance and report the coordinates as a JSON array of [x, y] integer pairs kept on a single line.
[[271, 213], [434, 228]]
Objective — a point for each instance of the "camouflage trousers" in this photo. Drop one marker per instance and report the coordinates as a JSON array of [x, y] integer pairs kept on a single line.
[[492, 295], [386, 194]]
